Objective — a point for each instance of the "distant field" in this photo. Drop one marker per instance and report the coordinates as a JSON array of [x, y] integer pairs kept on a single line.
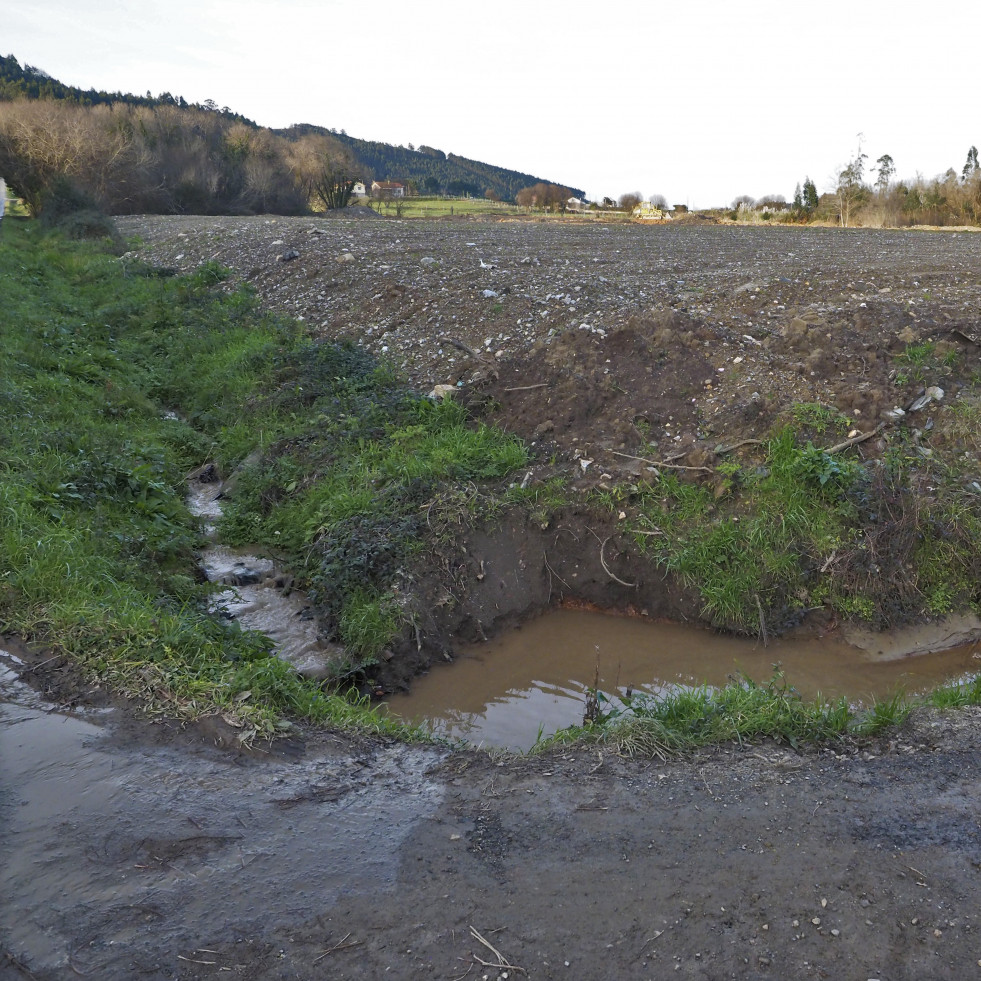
[[422, 207]]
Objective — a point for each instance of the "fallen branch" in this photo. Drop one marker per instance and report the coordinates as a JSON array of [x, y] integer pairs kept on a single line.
[[528, 388], [855, 439], [340, 945], [661, 463], [829, 560], [735, 446], [17, 964], [629, 585], [466, 347]]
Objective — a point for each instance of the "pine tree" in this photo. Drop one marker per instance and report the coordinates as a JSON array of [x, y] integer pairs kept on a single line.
[[971, 165], [810, 195]]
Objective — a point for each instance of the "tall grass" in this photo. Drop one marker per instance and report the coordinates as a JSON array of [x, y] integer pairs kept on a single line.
[[743, 711]]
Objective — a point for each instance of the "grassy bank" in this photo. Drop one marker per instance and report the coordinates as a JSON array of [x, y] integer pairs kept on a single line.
[[690, 718], [118, 382], [799, 522]]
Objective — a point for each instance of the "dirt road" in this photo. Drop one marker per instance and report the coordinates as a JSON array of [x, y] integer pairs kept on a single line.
[[137, 850]]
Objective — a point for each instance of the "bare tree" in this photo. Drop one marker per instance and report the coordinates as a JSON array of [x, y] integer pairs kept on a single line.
[[630, 201], [851, 189], [325, 169]]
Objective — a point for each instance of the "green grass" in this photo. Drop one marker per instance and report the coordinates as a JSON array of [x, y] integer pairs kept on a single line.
[[757, 548], [434, 207], [802, 528], [689, 718], [117, 383]]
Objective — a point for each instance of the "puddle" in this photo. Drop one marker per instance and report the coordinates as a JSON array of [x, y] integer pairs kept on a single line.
[[257, 598], [116, 848], [503, 693]]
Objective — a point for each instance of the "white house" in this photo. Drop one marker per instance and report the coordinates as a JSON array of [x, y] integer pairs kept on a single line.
[[387, 189]]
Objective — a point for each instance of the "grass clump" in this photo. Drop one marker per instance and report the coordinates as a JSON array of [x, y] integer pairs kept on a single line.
[[745, 711], [888, 541], [758, 549]]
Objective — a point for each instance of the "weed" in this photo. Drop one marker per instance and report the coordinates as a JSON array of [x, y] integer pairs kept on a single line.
[[819, 418]]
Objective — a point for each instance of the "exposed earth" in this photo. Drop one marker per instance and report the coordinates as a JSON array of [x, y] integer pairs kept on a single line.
[[139, 849], [619, 352]]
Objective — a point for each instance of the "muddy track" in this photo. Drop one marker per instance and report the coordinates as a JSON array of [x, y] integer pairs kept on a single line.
[[137, 850]]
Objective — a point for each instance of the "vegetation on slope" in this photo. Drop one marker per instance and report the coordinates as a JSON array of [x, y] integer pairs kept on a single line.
[[146, 154], [119, 382]]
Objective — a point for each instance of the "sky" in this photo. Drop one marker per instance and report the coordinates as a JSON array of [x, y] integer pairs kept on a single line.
[[701, 100]]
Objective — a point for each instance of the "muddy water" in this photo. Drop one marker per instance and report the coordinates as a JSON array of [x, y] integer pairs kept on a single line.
[[256, 598], [116, 848], [504, 692]]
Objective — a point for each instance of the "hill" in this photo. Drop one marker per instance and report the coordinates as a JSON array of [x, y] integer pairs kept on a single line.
[[27, 81], [432, 171], [426, 170]]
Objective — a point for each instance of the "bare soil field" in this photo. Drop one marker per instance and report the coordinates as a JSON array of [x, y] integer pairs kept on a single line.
[[134, 849]]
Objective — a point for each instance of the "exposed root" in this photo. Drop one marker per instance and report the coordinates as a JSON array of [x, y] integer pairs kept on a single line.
[[629, 585]]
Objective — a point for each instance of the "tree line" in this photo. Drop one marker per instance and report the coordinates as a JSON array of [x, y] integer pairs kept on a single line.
[[134, 154], [17, 81], [163, 159], [871, 196], [427, 170]]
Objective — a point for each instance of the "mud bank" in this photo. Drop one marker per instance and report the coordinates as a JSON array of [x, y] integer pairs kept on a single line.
[[136, 850]]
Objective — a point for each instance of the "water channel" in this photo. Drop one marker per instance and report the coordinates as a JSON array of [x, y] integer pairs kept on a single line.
[[534, 680], [503, 693]]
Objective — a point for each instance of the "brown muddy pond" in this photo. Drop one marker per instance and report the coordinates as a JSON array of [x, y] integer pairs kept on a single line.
[[532, 681]]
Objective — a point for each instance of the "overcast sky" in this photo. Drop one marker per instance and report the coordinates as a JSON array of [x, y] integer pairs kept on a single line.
[[700, 100]]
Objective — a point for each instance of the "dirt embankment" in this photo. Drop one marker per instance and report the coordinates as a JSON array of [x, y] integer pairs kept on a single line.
[[614, 350]]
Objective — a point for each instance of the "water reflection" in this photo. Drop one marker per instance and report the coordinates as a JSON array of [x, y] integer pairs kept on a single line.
[[504, 692]]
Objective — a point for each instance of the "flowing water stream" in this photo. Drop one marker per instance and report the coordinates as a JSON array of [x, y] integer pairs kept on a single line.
[[259, 597], [534, 680]]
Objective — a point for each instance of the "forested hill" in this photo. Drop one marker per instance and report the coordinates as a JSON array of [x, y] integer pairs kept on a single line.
[[17, 81], [432, 171], [228, 150]]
